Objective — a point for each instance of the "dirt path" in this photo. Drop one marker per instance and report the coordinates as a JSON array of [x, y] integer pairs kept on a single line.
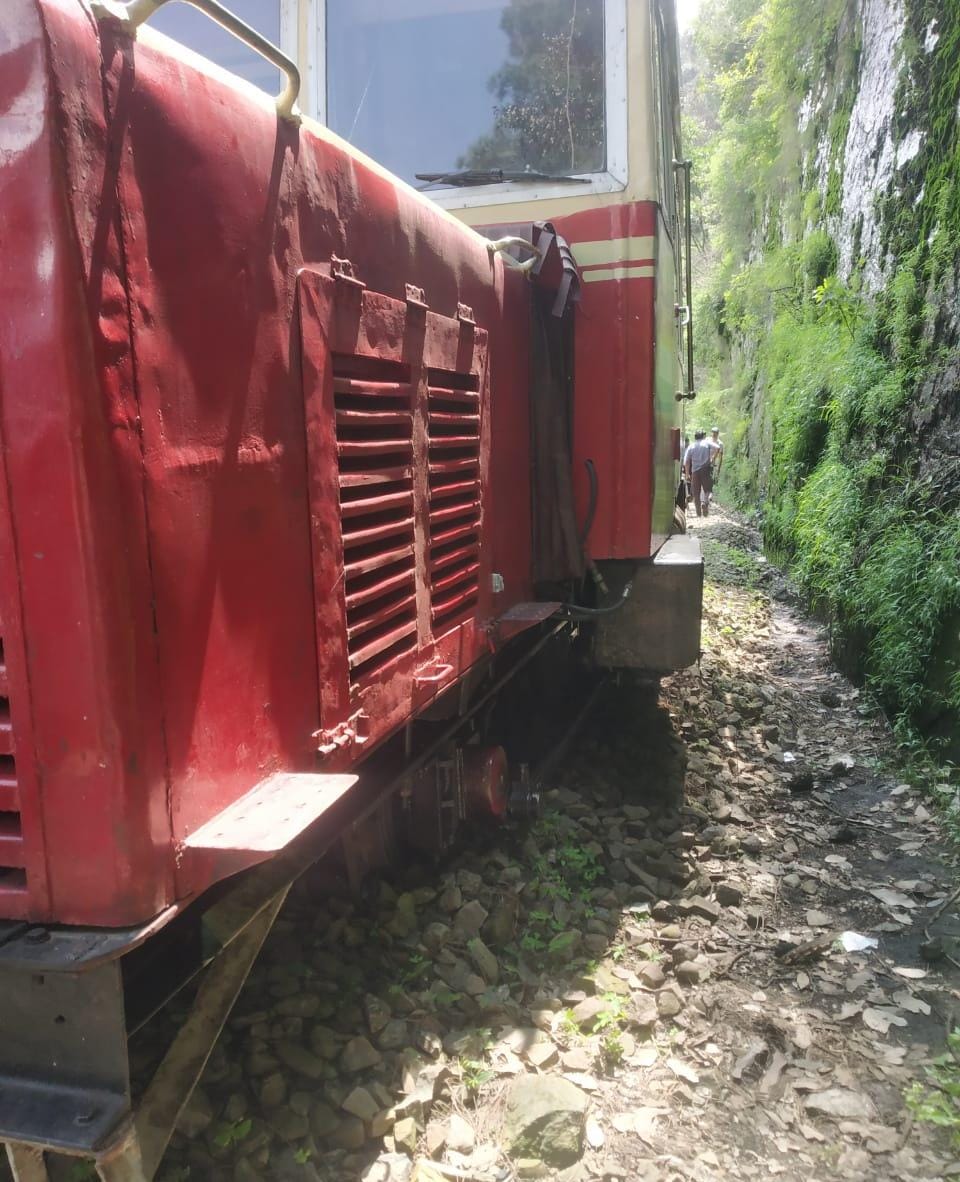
[[653, 978]]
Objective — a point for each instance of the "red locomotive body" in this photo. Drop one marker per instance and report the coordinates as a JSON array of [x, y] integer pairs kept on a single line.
[[268, 451], [182, 366]]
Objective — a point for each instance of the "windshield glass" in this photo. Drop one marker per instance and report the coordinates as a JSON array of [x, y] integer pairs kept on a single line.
[[444, 85]]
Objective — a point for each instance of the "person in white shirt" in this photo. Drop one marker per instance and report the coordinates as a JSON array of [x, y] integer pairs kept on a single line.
[[697, 466], [718, 457]]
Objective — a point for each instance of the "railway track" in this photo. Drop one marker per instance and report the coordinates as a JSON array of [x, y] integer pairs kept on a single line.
[[359, 1005], [269, 1103], [646, 941]]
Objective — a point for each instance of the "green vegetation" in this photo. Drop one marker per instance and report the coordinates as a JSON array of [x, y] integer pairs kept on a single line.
[[610, 1017], [830, 397], [563, 870], [474, 1073], [82, 1171], [938, 1100], [232, 1132]]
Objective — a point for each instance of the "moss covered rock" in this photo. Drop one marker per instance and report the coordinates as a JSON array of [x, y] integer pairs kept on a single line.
[[545, 1119]]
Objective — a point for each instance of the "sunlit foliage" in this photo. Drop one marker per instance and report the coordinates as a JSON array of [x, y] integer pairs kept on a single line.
[[820, 389]]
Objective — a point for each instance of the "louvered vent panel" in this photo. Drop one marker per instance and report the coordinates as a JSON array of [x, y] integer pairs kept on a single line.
[[374, 416], [454, 436], [13, 879]]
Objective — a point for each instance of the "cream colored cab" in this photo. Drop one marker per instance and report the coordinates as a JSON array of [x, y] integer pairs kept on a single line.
[[436, 86]]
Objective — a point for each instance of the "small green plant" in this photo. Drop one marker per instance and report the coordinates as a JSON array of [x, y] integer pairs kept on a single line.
[[444, 998], [581, 863], [611, 1048], [567, 1027], [302, 1155], [562, 944], [414, 969], [474, 1073], [232, 1132], [937, 1101], [545, 919], [617, 952], [532, 942], [672, 1036], [610, 1017]]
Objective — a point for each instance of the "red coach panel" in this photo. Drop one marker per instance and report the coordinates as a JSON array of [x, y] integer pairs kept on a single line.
[[615, 249]]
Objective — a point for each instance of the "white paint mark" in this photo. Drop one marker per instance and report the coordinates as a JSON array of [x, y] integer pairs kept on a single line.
[[22, 122], [45, 261]]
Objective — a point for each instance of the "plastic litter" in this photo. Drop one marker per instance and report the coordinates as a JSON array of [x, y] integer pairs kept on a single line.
[[854, 942]]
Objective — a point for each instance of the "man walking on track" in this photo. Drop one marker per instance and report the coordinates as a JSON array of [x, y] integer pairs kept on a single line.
[[696, 464], [718, 457]]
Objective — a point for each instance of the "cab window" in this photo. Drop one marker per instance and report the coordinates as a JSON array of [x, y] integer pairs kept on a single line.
[[440, 86]]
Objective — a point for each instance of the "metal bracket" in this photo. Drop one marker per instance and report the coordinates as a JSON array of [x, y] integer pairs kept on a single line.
[[465, 314], [342, 269], [433, 673], [27, 1164], [170, 1088], [416, 296], [343, 736]]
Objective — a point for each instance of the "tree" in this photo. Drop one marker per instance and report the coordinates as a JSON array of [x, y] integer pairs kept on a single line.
[[549, 94]]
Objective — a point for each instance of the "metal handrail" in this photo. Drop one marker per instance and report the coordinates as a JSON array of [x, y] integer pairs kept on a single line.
[[135, 13]]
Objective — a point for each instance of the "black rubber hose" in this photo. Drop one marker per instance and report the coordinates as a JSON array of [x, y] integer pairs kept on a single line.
[[588, 525], [591, 503], [577, 612]]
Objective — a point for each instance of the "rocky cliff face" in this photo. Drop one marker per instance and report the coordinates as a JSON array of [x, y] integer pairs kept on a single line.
[[830, 319], [872, 154]]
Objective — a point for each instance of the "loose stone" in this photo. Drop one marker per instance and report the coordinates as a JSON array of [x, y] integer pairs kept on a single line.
[[707, 909], [691, 972], [359, 1054], [484, 960], [544, 1119], [668, 1004], [301, 1060], [728, 894], [469, 919], [350, 1133], [652, 975], [460, 1136], [323, 1120], [405, 1135], [360, 1103], [586, 1012]]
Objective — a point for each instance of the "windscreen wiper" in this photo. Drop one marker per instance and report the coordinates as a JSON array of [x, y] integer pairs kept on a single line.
[[470, 177]]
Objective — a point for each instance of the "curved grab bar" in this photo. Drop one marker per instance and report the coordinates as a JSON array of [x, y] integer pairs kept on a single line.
[[502, 245], [135, 13]]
